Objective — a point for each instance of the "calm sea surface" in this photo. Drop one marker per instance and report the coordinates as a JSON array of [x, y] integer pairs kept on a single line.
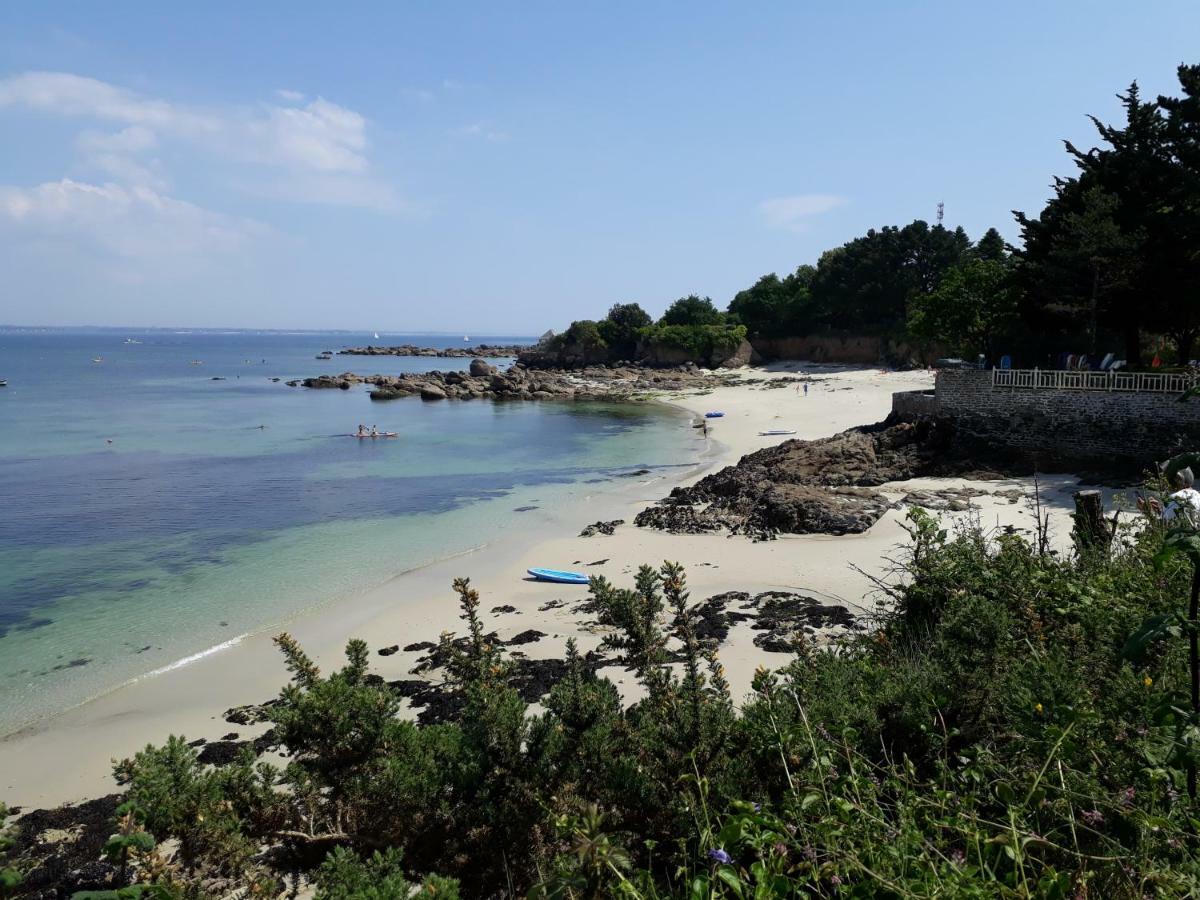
[[151, 512]]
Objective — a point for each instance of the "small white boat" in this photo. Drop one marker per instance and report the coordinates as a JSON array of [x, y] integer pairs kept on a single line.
[[465, 338], [378, 434], [775, 432], [376, 335], [98, 359], [3, 383], [131, 341]]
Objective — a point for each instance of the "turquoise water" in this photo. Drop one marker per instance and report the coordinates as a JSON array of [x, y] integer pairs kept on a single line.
[[151, 512]]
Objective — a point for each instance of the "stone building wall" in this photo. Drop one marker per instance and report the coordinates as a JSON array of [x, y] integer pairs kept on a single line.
[[1076, 424], [913, 406]]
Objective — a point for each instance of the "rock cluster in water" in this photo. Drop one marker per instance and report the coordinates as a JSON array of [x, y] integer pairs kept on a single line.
[[484, 381], [492, 351]]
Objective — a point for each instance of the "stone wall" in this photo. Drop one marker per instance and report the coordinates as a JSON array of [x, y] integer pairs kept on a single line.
[[1068, 424], [851, 349], [914, 406]]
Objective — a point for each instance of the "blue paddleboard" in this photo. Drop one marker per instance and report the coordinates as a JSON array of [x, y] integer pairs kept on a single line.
[[557, 576]]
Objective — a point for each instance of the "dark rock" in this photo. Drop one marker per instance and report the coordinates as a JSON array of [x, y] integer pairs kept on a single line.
[[783, 616], [221, 753], [69, 861], [504, 609], [432, 392], [807, 487], [388, 651], [251, 714], [420, 645], [525, 637], [479, 368], [601, 528]]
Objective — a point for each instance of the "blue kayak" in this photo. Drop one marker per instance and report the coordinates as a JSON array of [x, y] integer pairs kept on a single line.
[[560, 577], [713, 415]]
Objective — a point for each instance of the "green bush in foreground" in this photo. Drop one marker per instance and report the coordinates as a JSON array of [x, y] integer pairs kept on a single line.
[[990, 738]]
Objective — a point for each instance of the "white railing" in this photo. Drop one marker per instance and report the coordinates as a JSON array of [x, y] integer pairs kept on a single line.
[[1071, 380]]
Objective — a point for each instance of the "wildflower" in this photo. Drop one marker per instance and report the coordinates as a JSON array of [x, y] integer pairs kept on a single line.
[[758, 807], [958, 857], [835, 880], [1093, 818], [1126, 796], [1037, 708], [719, 855], [781, 848], [1147, 681]]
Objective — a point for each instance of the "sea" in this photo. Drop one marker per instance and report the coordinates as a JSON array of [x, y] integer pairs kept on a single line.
[[164, 492]]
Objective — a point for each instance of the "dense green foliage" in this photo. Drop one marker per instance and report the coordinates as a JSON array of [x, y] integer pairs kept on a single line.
[[692, 310], [1017, 724], [706, 343], [691, 325], [9, 877], [975, 305], [620, 328], [1116, 247]]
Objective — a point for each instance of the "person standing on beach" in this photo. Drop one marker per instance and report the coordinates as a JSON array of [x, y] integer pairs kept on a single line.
[[806, 389]]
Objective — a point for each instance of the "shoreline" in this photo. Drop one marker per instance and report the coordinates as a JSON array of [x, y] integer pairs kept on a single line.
[[42, 763]]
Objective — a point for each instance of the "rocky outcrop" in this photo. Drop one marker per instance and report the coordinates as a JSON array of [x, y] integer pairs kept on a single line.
[[491, 351], [602, 528], [520, 383], [809, 487]]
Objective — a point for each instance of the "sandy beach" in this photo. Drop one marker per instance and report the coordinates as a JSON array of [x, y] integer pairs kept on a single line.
[[67, 758]]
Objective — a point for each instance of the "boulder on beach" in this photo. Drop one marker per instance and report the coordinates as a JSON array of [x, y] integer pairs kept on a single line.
[[432, 392], [480, 368]]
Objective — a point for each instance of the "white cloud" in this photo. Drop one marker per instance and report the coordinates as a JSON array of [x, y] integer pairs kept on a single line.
[[133, 223], [479, 130], [320, 136], [794, 212], [289, 96], [123, 155]]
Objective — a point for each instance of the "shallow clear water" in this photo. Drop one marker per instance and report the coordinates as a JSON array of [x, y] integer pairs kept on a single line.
[[224, 506]]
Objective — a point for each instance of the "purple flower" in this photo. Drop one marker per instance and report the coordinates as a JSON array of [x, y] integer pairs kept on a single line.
[[835, 880], [1092, 817], [719, 855], [1127, 795], [958, 857]]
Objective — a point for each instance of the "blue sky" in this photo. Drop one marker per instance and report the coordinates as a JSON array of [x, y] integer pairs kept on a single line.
[[507, 167]]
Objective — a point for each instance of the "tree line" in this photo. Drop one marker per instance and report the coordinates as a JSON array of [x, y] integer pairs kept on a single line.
[[1110, 264]]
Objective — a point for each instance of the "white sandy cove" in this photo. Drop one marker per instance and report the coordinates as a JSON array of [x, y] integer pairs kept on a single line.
[[67, 758]]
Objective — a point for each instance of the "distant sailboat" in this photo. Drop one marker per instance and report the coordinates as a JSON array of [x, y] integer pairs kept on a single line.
[[377, 335], [465, 338], [98, 359]]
